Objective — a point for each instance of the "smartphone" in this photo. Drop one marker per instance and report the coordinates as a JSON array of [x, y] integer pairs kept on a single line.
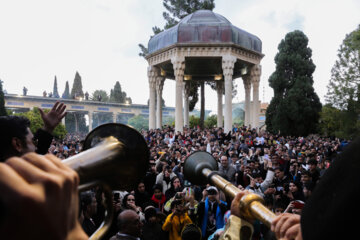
[[298, 204]]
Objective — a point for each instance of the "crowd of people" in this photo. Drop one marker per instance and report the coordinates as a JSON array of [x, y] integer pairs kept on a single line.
[[67, 147], [284, 171]]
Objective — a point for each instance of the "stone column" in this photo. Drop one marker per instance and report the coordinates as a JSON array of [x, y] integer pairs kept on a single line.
[[63, 120], [255, 79], [247, 86], [186, 103], [152, 74], [179, 68], [228, 63], [220, 92], [159, 88], [90, 114], [114, 117]]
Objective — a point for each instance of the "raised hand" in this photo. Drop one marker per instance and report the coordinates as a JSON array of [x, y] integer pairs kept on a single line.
[[54, 117]]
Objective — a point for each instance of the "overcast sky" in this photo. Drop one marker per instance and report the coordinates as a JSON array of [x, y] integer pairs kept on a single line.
[[99, 38]]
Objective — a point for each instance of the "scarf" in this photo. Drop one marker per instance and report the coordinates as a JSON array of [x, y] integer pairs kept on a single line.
[[219, 218], [159, 202]]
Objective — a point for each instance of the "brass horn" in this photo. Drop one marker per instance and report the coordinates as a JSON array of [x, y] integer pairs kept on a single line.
[[115, 156], [200, 168]]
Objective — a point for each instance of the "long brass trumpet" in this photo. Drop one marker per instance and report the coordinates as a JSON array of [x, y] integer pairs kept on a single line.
[[200, 168], [116, 156]]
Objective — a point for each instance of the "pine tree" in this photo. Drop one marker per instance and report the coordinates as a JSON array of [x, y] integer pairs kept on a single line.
[[55, 89], [66, 94], [2, 101], [76, 91], [295, 107]]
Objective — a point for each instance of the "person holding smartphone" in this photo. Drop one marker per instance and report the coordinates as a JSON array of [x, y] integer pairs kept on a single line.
[[177, 220]]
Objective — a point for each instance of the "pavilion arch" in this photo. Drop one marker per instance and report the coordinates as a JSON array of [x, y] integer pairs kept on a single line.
[[204, 46]]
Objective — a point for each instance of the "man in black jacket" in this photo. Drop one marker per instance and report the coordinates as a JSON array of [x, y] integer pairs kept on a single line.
[[211, 212], [17, 138]]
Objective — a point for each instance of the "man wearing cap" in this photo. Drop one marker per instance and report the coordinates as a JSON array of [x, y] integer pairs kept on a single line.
[[211, 212]]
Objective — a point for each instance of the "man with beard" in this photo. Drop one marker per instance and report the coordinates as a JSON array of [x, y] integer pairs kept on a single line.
[[17, 138]]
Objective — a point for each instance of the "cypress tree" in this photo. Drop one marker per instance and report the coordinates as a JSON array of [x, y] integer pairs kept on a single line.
[[295, 107], [112, 95], [2, 101], [118, 94], [76, 91], [66, 94], [55, 89]]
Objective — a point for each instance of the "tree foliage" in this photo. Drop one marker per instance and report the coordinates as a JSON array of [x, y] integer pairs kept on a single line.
[[55, 89], [211, 121], [139, 122], [194, 121], [36, 122], [3, 111], [341, 118], [168, 120], [193, 94], [295, 107], [66, 94], [119, 96], [178, 9], [330, 121], [77, 91], [344, 84], [99, 95]]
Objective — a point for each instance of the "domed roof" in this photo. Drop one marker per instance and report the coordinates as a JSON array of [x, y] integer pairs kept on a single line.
[[204, 26]]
